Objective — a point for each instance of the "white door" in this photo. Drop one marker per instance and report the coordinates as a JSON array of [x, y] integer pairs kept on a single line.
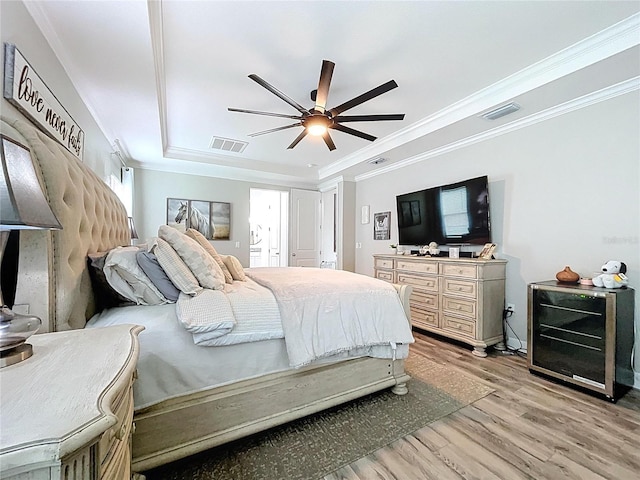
[[305, 228], [268, 228]]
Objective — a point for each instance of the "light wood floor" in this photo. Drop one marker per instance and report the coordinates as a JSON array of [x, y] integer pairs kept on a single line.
[[529, 428]]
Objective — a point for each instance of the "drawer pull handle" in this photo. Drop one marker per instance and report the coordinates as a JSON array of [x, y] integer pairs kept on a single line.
[[122, 431]]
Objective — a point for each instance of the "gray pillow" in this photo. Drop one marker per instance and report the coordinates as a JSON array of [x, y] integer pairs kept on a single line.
[[151, 267]]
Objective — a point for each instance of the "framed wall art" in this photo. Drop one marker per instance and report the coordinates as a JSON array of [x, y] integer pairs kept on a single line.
[[381, 223], [211, 219]]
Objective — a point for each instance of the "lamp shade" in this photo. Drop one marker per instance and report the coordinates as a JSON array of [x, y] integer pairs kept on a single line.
[[132, 228], [22, 202]]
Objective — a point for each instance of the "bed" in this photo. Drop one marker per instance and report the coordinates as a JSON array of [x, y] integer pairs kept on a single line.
[[193, 417]]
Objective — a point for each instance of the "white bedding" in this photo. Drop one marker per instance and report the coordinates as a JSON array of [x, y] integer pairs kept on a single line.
[[325, 311], [243, 312], [171, 365]]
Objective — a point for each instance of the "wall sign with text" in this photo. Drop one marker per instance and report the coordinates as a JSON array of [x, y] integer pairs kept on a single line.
[[26, 91]]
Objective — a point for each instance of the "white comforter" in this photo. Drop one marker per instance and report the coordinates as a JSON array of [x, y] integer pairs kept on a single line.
[[320, 313], [325, 311]]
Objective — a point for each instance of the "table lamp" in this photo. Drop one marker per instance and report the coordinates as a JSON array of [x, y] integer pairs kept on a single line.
[[132, 229], [23, 206]]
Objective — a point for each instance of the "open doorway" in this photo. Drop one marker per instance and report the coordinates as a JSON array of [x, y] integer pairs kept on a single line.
[[268, 228]]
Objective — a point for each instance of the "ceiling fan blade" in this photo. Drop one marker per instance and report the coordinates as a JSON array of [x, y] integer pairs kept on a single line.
[[328, 140], [298, 138], [298, 124], [384, 88], [278, 93], [323, 85], [256, 112], [351, 131], [368, 118]]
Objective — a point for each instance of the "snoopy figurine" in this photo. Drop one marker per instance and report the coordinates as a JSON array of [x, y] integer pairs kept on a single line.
[[612, 276]]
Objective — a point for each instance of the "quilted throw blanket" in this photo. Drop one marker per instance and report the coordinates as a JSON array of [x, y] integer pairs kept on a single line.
[[242, 312], [325, 312]]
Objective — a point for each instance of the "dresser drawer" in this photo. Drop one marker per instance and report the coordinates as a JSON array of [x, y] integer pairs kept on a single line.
[[422, 318], [117, 436], [459, 326], [421, 267], [423, 283], [459, 270], [455, 286], [424, 299], [383, 263], [119, 466], [384, 275], [459, 306]]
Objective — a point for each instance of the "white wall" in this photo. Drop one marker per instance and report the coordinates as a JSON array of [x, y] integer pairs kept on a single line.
[[152, 188], [564, 192], [17, 27]]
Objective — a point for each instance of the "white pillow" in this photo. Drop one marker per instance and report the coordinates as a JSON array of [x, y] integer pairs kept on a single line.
[[235, 267], [210, 249], [201, 264], [125, 276], [175, 268]]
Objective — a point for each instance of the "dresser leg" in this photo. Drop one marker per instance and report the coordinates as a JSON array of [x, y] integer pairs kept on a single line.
[[137, 476], [400, 389], [500, 346], [479, 351]]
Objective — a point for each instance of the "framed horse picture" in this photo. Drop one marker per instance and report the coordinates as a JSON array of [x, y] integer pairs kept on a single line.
[[211, 219]]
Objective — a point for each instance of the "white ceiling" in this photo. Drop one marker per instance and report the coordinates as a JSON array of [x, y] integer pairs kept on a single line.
[[159, 75]]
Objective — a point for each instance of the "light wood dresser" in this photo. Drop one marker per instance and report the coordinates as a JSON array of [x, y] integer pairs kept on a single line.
[[67, 412], [461, 298]]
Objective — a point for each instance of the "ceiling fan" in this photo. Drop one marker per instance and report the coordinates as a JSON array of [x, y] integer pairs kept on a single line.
[[318, 120]]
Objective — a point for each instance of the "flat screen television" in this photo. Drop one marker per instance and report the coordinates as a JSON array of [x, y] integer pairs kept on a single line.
[[454, 214]]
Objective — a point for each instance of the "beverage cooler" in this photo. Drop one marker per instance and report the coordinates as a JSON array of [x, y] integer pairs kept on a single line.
[[582, 335]]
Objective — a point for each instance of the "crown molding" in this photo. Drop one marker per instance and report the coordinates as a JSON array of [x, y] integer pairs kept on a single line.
[[157, 47], [75, 75], [578, 103], [604, 44]]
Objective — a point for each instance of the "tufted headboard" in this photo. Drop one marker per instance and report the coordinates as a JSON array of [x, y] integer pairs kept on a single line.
[[93, 219]]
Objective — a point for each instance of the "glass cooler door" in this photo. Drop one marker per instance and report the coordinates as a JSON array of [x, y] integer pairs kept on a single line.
[[569, 335]]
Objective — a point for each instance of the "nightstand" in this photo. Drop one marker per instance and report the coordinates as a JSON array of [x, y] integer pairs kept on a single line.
[[67, 412]]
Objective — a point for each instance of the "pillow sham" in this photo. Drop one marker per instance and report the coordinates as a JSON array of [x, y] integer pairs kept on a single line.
[[105, 295], [235, 267], [201, 264], [123, 273], [149, 264], [210, 249], [175, 268]]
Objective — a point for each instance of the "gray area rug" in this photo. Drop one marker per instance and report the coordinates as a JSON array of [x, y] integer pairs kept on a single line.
[[315, 446]]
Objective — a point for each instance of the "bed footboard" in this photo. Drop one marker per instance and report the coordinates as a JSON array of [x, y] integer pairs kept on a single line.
[[180, 427], [183, 426]]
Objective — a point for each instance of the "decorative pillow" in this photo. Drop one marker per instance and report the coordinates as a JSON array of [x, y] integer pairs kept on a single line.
[[201, 264], [106, 296], [123, 273], [175, 268], [204, 243], [235, 267], [151, 267]]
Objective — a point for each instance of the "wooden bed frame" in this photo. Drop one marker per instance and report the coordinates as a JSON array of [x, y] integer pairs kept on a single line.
[[93, 220]]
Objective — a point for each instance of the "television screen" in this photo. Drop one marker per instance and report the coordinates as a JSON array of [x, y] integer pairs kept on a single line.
[[449, 214]]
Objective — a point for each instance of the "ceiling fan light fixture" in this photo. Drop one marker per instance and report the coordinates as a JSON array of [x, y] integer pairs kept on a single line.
[[317, 130], [316, 125], [318, 120]]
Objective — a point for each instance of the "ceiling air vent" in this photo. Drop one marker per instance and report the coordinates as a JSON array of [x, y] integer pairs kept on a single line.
[[376, 161], [501, 111], [228, 145]]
